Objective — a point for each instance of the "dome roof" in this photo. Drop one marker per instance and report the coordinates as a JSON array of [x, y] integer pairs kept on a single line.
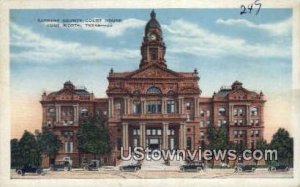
[[152, 23]]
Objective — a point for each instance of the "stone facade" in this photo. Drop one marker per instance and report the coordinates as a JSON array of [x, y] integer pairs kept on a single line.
[[153, 107]]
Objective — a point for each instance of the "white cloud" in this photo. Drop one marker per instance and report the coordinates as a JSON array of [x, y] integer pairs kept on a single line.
[[275, 29], [190, 38], [116, 29], [38, 48]]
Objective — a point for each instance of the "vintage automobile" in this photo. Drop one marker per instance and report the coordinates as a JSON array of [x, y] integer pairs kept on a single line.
[[62, 165], [131, 167], [279, 167], [193, 166], [28, 168], [93, 165], [245, 168]]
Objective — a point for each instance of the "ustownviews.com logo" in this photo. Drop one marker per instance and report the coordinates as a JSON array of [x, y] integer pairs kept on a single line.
[[139, 154]]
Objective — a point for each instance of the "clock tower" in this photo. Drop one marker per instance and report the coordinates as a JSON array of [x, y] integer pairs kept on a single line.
[[153, 48]]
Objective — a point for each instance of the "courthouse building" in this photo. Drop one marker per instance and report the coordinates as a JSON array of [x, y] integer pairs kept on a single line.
[[154, 107]]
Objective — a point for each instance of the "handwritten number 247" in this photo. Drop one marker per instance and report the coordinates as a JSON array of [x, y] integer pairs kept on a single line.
[[248, 9]]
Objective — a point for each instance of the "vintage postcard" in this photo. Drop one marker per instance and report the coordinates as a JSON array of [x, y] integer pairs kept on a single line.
[[161, 94]]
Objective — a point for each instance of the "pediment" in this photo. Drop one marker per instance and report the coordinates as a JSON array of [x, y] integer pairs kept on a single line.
[[240, 94], [154, 72]]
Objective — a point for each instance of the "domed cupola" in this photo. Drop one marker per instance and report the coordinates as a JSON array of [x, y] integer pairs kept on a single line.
[[152, 23]]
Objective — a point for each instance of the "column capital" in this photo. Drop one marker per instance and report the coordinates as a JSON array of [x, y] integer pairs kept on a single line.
[[124, 123], [165, 123]]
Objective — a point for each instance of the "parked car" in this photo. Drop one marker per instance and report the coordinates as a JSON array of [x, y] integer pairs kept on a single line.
[[28, 168], [193, 166], [131, 167], [245, 168], [93, 165], [279, 167], [62, 165]]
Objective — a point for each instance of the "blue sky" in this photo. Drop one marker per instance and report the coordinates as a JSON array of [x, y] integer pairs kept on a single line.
[[223, 45]]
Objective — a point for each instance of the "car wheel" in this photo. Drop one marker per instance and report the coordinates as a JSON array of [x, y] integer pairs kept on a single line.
[[19, 172], [199, 168], [39, 171], [273, 169]]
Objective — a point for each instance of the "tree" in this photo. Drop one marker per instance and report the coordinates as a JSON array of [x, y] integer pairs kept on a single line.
[[283, 143], [15, 153], [217, 137], [93, 138], [30, 153], [48, 143]]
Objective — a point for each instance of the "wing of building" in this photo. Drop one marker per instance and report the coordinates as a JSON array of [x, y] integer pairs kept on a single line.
[[154, 107]]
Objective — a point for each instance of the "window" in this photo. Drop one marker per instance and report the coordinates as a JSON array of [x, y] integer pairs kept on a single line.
[[202, 134], [201, 123], [207, 123], [251, 133], [241, 112], [148, 131], [207, 113], [202, 113], [188, 105], [118, 106], [235, 112], [65, 122], [119, 143], [251, 122], [224, 122], [188, 117], [170, 106], [235, 134], [68, 147], [158, 131], [136, 107], [51, 111], [84, 112], [254, 111], [235, 122], [153, 107], [222, 111], [153, 90], [136, 132], [189, 143], [256, 122], [257, 133], [241, 122], [219, 123], [171, 132], [153, 131], [135, 142]]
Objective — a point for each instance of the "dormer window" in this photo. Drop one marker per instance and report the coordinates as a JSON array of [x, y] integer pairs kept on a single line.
[[254, 111], [222, 111]]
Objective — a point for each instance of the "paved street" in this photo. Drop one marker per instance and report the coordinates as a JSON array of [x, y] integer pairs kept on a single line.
[[113, 173]]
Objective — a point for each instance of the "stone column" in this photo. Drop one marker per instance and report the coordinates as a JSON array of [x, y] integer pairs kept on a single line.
[[125, 136], [76, 113], [57, 110], [248, 114], [165, 136], [142, 106], [182, 144], [180, 111], [142, 135], [230, 114], [125, 105]]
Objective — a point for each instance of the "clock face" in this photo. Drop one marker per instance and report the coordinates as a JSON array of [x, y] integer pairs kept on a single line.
[[151, 36]]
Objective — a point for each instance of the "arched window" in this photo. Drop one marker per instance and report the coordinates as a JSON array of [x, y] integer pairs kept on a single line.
[[171, 93], [222, 111], [153, 90], [254, 111]]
